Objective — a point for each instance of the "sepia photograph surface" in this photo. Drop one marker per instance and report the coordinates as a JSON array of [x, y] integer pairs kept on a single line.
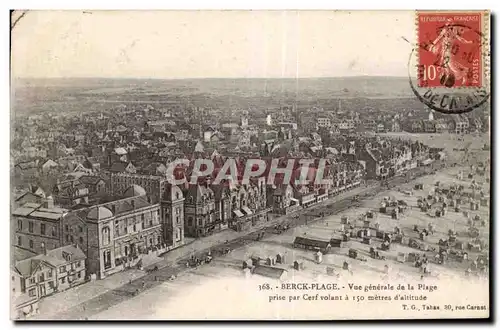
[[249, 165]]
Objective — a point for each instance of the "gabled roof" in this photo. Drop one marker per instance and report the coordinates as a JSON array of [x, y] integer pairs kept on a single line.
[[118, 167], [268, 271], [90, 179], [172, 193], [120, 151], [199, 147], [60, 254], [311, 242], [198, 191], [27, 267]]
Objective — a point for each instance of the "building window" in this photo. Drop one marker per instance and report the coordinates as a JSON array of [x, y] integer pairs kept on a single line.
[[51, 285], [107, 259], [41, 278], [71, 239], [31, 244], [177, 211], [67, 238], [190, 221], [49, 273], [106, 235], [78, 264], [80, 240], [63, 280], [178, 220], [134, 227], [80, 229], [42, 229], [20, 224], [19, 241], [32, 292], [79, 274], [150, 222], [62, 269], [30, 226], [32, 280], [13, 278], [66, 227], [53, 232]]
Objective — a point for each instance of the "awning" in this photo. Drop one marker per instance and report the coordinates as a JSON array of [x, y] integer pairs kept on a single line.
[[247, 210], [238, 213]]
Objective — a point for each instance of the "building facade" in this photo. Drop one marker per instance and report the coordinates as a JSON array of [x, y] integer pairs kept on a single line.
[[200, 210], [172, 215], [38, 226], [52, 271], [119, 231]]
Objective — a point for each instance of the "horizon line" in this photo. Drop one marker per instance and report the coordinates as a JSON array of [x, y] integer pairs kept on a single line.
[[202, 78]]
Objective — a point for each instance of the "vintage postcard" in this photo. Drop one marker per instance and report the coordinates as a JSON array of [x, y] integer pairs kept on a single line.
[[250, 165]]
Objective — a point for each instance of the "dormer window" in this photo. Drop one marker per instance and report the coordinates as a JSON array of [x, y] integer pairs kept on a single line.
[[67, 256]]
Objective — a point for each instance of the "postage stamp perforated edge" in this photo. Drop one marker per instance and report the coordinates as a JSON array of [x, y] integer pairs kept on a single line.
[[485, 44]]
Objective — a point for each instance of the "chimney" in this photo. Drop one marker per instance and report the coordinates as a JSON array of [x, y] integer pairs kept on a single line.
[[48, 202]]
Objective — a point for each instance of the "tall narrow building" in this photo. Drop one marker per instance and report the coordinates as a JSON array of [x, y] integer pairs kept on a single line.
[[172, 215]]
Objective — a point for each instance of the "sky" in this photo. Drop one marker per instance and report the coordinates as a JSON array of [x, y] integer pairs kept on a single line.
[[204, 44]]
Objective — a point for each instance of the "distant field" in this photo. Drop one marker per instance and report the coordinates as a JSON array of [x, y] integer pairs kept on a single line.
[[69, 94], [444, 140]]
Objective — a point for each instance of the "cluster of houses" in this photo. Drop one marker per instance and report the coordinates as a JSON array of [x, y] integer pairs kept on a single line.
[[409, 121]]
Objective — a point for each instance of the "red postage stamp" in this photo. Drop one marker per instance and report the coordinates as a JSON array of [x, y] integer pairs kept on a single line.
[[449, 49]]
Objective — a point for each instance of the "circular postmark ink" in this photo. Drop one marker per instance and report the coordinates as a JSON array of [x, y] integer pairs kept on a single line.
[[449, 67]]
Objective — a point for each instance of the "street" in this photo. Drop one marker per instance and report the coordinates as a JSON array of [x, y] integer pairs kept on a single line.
[[174, 263]]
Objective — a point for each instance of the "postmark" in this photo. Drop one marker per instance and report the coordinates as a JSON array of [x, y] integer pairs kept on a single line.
[[449, 66]]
